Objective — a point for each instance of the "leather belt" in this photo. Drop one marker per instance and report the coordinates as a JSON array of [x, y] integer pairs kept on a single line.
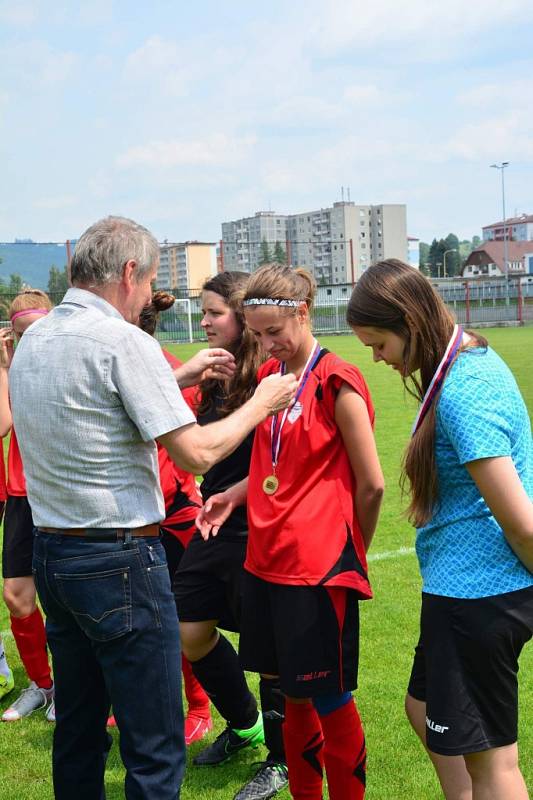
[[104, 533]]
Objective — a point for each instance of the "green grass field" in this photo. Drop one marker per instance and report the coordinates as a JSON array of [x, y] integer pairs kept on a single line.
[[397, 767]]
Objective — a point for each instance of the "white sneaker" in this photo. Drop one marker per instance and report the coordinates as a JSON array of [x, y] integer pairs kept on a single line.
[[31, 699], [51, 712]]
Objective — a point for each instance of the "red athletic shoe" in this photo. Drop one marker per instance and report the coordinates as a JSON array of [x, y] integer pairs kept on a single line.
[[196, 728], [111, 722]]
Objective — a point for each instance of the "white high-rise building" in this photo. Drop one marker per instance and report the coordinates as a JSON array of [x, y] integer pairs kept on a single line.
[[241, 239], [336, 244]]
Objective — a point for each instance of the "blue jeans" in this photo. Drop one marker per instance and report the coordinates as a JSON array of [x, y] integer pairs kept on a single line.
[[113, 633]]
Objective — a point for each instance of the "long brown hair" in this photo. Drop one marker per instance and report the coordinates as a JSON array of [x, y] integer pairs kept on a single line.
[[248, 357], [395, 297]]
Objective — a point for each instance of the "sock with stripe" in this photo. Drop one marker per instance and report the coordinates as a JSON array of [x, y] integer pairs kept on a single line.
[[30, 638], [302, 734], [344, 752]]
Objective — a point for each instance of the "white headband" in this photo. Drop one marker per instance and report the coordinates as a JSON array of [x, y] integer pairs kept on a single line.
[[272, 301]]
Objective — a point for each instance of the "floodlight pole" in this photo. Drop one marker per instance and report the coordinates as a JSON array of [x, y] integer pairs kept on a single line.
[[502, 166], [452, 250]]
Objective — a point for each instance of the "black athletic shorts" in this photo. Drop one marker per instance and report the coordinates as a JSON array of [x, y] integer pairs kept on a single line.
[[208, 582], [17, 547], [308, 635], [465, 669]]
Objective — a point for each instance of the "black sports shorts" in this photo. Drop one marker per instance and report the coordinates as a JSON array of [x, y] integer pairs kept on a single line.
[[208, 581], [308, 635], [17, 547], [465, 669]]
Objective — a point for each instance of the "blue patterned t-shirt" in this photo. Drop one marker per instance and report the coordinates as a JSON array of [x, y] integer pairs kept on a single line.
[[480, 414]]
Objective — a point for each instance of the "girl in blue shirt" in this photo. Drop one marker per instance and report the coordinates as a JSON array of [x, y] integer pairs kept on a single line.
[[469, 471]]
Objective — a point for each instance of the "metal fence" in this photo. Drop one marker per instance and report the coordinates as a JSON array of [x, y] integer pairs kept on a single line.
[[474, 303]]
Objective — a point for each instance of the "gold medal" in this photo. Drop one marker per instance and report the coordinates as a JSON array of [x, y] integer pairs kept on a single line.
[[270, 484]]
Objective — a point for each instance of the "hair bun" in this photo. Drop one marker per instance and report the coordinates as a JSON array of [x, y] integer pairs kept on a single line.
[[162, 300]]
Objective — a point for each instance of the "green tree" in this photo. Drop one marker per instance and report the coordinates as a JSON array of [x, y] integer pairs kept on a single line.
[[453, 260], [265, 256], [280, 255], [15, 283], [423, 257], [433, 257], [57, 280]]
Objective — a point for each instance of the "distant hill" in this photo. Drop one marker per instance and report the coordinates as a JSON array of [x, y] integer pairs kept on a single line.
[[31, 260]]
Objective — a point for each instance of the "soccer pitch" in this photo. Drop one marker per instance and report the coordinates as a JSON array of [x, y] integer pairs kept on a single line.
[[397, 766]]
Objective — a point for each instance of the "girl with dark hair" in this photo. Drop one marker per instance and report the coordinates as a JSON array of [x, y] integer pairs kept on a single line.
[[314, 492], [27, 624], [208, 582], [469, 471], [182, 500]]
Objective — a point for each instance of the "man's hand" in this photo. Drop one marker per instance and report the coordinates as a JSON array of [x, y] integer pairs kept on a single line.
[[6, 347], [211, 363], [276, 392], [213, 514]]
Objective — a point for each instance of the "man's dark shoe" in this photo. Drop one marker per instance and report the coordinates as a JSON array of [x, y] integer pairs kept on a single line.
[[229, 742], [270, 778]]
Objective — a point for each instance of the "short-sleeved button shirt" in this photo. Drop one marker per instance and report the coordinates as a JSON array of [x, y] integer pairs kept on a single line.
[[90, 392], [480, 414]]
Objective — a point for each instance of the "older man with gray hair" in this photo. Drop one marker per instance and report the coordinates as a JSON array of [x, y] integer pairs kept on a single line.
[[90, 394]]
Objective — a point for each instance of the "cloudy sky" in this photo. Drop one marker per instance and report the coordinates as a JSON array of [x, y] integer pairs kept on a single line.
[[185, 114]]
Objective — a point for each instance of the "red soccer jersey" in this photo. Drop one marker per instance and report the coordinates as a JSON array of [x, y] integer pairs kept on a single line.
[[307, 532], [16, 482], [3, 487], [179, 488]]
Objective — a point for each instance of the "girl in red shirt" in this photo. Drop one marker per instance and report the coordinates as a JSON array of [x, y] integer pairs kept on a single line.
[[314, 492], [19, 588], [7, 683]]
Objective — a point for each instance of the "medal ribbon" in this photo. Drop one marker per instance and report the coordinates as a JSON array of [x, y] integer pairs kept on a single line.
[[277, 426], [439, 376]]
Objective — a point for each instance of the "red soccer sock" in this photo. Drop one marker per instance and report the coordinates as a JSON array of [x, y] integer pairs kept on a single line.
[[303, 739], [344, 753], [30, 638], [197, 699]]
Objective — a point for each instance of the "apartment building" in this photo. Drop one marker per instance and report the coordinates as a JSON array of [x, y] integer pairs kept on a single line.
[[242, 239], [185, 266], [517, 229], [337, 244]]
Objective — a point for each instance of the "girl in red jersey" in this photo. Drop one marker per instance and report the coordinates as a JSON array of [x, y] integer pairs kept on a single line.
[[7, 683], [19, 589], [208, 583], [182, 500], [314, 492]]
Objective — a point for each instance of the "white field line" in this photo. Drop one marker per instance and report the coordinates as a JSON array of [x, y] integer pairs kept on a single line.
[[403, 551], [386, 554]]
